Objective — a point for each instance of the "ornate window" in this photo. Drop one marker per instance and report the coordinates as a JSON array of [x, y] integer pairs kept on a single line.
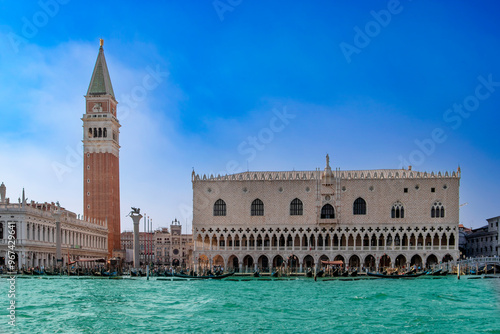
[[398, 211], [219, 208], [437, 210], [327, 212], [359, 207], [296, 207], [257, 208]]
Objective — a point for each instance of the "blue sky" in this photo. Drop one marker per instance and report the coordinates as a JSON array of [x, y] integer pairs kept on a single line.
[[365, 82]]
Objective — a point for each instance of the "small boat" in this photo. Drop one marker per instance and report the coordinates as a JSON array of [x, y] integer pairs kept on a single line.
[[109, 274], [320, 273], [354, 273], [437, 272], [397, 276], [137, 273], [345, 273], [309, 273], [256, 274], [277, 274]]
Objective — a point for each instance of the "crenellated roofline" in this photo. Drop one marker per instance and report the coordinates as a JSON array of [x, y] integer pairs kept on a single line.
[[317, 174]]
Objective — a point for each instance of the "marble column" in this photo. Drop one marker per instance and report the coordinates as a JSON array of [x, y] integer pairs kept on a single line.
[[136, 217]]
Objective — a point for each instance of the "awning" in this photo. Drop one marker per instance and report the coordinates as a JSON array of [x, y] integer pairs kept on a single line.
[[334, 263], [92, 260]]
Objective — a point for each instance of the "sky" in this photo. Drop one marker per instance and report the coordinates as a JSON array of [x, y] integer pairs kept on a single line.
[[251, 85]]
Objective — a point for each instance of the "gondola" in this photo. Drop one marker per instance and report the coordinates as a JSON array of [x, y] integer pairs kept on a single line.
[[345, 273], [396, 276], [275, 274], [354, 273], [320, 273], [309, 273], [437, 272], [256, 274], [203, 277]]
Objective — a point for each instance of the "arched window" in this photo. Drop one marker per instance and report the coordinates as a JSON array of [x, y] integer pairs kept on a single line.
[[359, 207], [105, 132], [100, 133], [257, 208], [398, 211], [296, 208], [95, 132], [90, 133], [327, 212], [437, 210], [219, 208]]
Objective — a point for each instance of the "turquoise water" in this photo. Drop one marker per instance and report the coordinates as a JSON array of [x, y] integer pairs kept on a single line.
[[71, 305]]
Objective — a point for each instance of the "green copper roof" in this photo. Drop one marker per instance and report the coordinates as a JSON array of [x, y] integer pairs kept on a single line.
[[100, 84]]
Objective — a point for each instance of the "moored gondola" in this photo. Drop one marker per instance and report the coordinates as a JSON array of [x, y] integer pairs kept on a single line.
[[202, 277], [397, 276]]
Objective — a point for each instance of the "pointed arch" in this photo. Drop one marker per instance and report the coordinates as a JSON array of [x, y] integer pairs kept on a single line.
[[219, 208], [397, 210], [359, 207]]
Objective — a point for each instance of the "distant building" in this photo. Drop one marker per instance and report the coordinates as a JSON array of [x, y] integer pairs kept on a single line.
[[483, 241], [162, 247], [370, 218], [146, 245], [33, 226], [173, 248]]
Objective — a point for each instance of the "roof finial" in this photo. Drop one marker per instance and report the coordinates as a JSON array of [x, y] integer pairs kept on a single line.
[[101, 42], [327, 161]]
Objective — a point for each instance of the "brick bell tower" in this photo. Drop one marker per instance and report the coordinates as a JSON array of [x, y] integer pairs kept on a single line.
[[101, 172]]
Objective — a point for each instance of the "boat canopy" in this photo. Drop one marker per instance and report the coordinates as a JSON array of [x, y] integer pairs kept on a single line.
[[334, 263]]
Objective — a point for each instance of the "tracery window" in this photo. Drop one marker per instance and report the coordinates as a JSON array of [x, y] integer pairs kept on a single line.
[[437, 210], [397, 211]]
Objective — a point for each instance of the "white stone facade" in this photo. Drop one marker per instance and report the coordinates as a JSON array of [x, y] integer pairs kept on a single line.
[[35, 235], [483, 241], [426, 234]]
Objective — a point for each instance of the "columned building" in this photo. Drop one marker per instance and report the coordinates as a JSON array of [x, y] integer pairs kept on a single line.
[[365, 218], [101, 130], [483, 241], [34, 227]]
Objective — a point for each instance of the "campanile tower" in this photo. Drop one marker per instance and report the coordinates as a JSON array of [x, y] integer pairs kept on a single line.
[[101, 172]]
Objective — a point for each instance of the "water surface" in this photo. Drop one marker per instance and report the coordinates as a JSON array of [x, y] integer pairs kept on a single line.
[[71, 305]]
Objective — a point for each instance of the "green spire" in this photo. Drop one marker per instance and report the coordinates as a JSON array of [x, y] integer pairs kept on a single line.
[[100, 84]]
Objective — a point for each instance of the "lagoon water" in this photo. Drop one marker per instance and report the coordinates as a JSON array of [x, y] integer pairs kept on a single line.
[[423, 305]]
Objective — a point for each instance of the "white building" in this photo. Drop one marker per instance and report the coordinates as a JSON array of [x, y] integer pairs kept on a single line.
[[34, 232], [370, 218]]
